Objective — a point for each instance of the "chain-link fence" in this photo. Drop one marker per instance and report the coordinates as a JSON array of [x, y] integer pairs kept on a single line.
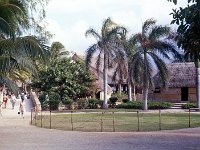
[[105, 121]]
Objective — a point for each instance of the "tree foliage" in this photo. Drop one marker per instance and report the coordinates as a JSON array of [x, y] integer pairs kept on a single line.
[[66, 77], [188, 21]]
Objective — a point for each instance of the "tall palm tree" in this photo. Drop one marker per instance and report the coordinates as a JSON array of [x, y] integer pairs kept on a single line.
[[106, 47], [152, 45]]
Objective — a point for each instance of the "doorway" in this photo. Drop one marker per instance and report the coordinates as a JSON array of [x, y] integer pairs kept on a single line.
[[184, 94]]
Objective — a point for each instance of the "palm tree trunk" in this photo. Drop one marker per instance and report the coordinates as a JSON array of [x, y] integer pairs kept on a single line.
[[129, 84], [197, 64], [145, 82], [134, 96], [129, 91], [145, 97], [120, 88], [105, 77]]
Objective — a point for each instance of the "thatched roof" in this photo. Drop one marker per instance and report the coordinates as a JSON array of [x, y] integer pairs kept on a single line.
[[180, 75]]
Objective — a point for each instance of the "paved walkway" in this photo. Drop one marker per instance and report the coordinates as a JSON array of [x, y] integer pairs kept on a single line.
[[17, 134]]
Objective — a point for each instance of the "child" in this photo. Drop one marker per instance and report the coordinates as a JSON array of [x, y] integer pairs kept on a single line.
[[22, 108]]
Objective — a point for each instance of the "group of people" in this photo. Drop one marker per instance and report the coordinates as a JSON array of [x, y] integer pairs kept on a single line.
[[12, 98]]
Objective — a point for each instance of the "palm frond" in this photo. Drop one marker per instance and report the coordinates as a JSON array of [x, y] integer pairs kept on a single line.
[[158, 32], [147, 25], [10, 84], [89, 53], [93, 33], [162, 69]]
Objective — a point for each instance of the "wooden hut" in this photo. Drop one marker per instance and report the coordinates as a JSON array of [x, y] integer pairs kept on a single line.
[[181, 84]]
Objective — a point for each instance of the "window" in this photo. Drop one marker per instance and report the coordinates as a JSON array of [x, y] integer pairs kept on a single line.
[[157, 90]]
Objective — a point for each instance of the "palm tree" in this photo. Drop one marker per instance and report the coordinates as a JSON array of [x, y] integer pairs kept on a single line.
[[13, 18], [151, 44], [106, 46], [120, 72], [57, 51]]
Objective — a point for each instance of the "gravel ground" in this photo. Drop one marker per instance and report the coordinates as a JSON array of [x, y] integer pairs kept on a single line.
[[17, 134]]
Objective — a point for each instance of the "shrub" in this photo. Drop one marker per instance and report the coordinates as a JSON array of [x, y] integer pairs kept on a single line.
[[94, 103], [189, 105], [130, 105], [159, 105], [125, 100], [113, 100], [119, 96], [54, 100], [67, 101], [82, 103]]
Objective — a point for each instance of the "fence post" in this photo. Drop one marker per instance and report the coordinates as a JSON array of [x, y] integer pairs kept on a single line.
[[31, 116], [41, 118], [138, 121], [102, 122], [189, 118], [113, 121], [159, 119], [35, 117], [50, 120], [72, 121]]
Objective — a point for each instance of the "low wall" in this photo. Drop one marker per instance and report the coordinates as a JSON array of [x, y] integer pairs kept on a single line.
[[35, 101]]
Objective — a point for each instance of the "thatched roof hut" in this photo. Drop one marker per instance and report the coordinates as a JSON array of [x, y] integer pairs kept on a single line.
[[180, 75]]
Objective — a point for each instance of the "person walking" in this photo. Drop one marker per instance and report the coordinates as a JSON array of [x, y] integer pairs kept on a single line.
[[13, 100], [0, 108], [22, 108], [5, 100]]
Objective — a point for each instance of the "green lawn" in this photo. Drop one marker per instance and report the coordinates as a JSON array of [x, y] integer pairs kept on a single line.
[[123, 121]]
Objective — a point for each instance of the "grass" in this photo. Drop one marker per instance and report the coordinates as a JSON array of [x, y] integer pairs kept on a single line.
[[123, 121]]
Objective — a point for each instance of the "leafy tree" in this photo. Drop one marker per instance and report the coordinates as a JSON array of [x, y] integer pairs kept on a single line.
[[149, 43], [188, 21], [66, 77], [106, 47]]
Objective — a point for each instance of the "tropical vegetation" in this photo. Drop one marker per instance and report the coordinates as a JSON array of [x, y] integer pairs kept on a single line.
[[188, 33], [107, 46]]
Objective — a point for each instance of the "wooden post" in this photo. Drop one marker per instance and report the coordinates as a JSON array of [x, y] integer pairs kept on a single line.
[[50, 120], [72, 121], [41, 118], [189, 118], [159, 119], [31, 116], [138, 121], [113, 121], [35, 117], [102, 122]]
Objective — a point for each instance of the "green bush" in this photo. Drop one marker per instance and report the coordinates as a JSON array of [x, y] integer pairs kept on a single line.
[[125, 100], [94, 103], [43, 102], [54, 100], [131, 105], [119, 96], [189, 105], [82, 103], [113, 100], [139, 105], [159, 105], [67, 101]]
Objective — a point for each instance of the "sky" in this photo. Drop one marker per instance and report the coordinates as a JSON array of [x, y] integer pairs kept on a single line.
[[68, 20]]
